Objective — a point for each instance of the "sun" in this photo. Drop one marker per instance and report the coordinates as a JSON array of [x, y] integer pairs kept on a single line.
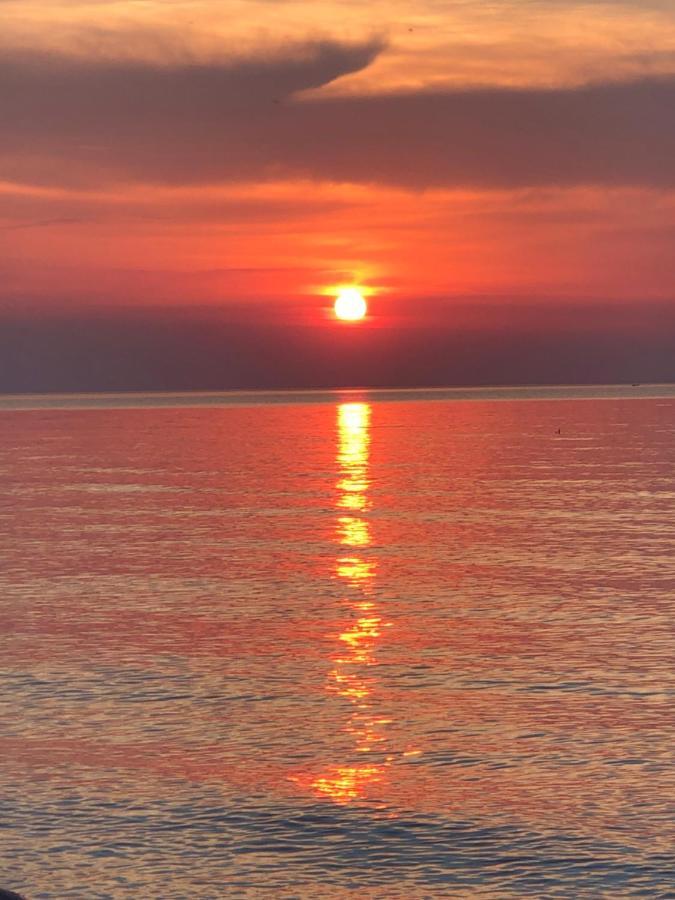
[[350, 305]]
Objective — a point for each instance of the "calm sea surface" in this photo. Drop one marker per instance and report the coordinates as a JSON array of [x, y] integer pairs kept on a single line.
[[407, 645]]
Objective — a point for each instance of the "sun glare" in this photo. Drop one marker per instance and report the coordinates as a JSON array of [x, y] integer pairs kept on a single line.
[[350, 305]]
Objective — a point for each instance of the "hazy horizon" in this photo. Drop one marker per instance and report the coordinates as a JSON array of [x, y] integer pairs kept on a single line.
[[398, 345]]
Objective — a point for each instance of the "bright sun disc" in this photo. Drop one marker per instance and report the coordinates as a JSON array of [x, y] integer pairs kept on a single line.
[[350, 305]]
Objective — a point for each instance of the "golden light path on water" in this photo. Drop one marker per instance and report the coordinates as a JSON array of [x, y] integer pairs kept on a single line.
[[352, 676]]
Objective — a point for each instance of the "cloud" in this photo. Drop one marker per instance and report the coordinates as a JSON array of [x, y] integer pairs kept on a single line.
[[163, 349], [24, 207], [68, 121]]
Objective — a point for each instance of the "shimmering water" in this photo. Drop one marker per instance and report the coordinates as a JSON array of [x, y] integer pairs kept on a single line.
[[379, 646]]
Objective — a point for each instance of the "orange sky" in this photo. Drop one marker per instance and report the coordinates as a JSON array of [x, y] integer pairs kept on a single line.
[[247, 151]]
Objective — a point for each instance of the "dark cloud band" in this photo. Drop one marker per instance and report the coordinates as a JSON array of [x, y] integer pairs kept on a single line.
[[66, 121]]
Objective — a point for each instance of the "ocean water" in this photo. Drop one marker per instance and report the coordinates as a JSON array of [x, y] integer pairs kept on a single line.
[[363, 645]]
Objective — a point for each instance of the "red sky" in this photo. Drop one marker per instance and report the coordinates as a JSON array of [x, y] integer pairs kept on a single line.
[[504, 166]]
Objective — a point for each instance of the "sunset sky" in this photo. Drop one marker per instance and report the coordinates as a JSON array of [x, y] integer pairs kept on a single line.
[[184, 183]]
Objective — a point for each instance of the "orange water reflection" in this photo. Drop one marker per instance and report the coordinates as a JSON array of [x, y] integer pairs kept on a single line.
[[352, 676]]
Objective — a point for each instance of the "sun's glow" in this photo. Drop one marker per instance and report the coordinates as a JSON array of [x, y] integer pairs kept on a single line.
[[350, 305]]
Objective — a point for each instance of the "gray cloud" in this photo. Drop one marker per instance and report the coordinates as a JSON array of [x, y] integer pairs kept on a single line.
[[74, 121], [187, 349]]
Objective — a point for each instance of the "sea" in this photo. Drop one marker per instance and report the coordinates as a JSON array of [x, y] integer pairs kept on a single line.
[[353, 644]]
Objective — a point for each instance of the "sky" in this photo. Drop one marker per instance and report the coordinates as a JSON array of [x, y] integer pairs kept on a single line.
[[184, 184]]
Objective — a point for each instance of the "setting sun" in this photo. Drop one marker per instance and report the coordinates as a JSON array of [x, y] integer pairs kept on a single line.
[[350, 305]]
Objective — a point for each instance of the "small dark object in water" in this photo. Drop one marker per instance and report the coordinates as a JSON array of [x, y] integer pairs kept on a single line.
[[9, 895], [558, 431]]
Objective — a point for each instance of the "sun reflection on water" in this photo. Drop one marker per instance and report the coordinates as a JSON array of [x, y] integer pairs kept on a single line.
[[355, 656], [354, 569]]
